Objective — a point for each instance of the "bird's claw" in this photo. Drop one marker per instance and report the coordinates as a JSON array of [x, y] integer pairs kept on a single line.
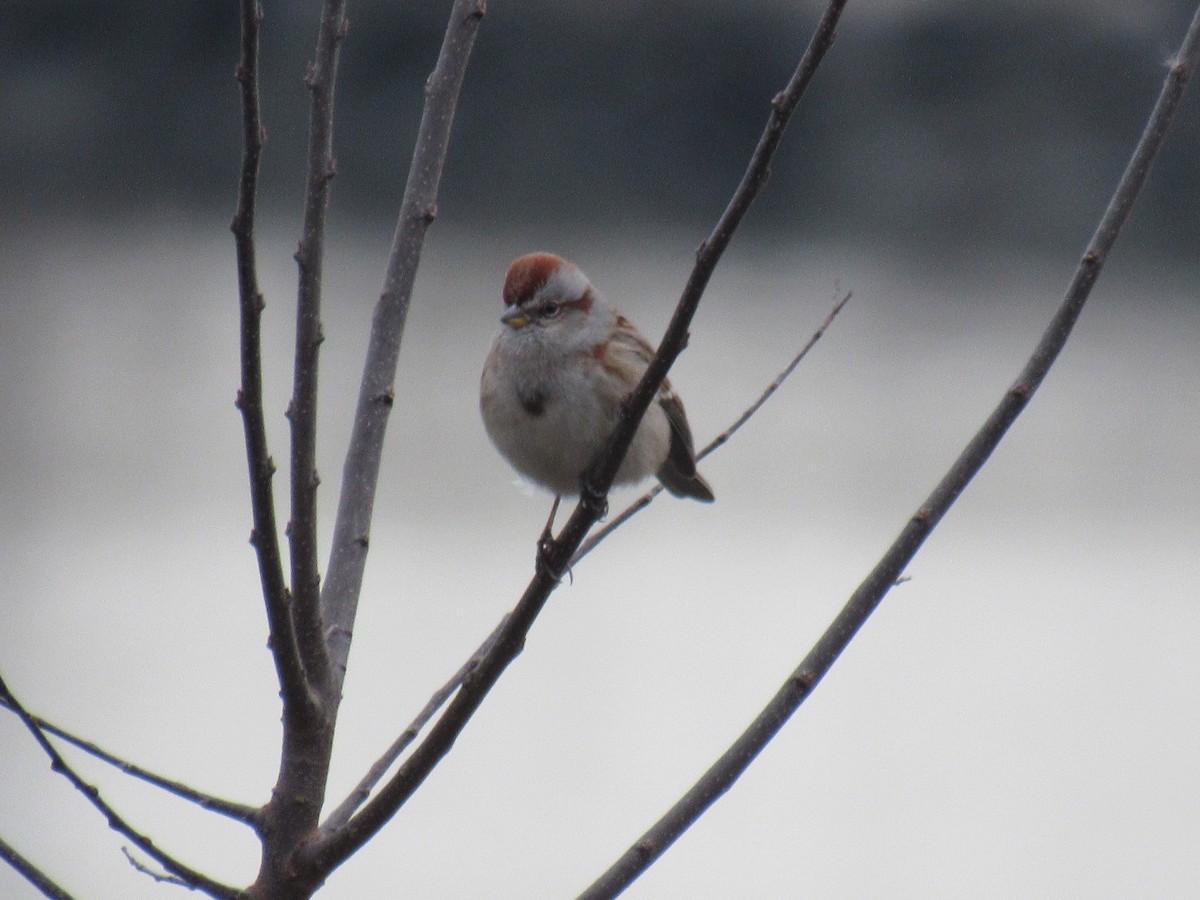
[[594, 501]]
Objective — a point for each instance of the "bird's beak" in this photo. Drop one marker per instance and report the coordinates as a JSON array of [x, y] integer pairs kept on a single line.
[[515, 317]]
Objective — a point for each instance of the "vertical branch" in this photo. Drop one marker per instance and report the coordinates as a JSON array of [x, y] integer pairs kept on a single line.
[[321, 81], [360, 474], [265, 533], [295, 806], [726, 770]]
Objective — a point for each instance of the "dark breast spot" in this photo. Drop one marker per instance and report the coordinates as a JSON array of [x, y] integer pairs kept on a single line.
[[534, 403]]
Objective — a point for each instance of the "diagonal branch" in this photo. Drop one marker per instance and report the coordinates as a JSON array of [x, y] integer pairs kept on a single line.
[[721, 776], [195, 879], [599, 479], [375, 773], [321, 81], [360, 474], [31, 873], [647, 498], [237, 811], [337, 847], [265, 533]]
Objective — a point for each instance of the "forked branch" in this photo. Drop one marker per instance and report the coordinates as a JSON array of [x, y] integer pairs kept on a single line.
[[193, 878], [721, 776], [237, 811], [647, 498]]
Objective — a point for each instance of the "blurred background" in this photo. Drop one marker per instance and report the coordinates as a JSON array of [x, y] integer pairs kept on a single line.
[[1019, 719]]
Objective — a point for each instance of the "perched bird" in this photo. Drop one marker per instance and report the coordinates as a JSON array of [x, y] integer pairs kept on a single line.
[[556, 375]]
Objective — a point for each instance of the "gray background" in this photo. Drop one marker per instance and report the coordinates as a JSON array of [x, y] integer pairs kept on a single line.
[[1020, 719]]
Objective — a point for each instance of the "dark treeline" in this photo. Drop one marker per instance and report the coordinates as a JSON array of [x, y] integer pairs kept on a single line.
[[987, 126]]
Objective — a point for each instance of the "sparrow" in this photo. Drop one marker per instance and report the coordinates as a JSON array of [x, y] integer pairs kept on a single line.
[[557, 373]]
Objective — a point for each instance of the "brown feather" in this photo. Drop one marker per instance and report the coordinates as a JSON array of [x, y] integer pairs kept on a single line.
[[678, 472]]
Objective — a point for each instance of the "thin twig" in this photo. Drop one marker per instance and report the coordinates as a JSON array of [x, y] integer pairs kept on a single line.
[[360, 473], [194, 878], [374, 775], [648, 497], [31, 872], [337, 847], [265, 534], [160, 877], [321, 80], [721, 776], [237, 811]]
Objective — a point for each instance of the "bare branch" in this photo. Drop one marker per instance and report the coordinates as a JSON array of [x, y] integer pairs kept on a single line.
[[597, 482], [192, 877], [721, 776], [265, 534], [337, 847], [362, 791], [31, 873], [374, 775], [647, 498], [360, 474], [237, 811], [302, 411]]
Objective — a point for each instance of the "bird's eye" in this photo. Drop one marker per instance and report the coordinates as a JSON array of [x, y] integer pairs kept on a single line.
[[549, 310]]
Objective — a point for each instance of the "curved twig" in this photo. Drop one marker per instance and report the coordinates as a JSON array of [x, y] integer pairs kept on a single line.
[[721, 776], [337, 847], [116, 822]]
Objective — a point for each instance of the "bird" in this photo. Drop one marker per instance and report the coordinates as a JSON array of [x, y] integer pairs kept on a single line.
[[555, 378]]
